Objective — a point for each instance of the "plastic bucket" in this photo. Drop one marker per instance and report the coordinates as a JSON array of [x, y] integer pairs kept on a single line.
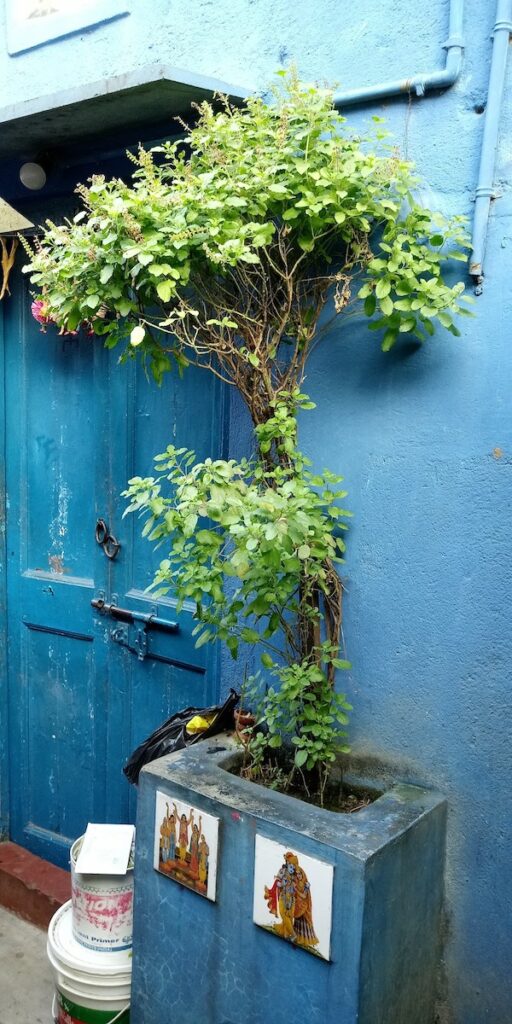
[[91, 987], [102, 907]]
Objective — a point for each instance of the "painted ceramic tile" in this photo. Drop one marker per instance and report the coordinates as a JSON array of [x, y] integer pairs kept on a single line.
[[186, 844], [293, 896]]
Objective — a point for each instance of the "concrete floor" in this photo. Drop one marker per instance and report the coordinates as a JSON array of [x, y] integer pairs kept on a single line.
[[26, 984]]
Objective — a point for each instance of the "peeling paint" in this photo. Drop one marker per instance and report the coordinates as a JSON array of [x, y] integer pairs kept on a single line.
[[55, 563]]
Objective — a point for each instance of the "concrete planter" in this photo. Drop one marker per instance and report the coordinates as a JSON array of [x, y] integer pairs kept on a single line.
[[208, 962]]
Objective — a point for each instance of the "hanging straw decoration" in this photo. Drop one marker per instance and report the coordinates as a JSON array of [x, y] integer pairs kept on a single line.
[[7, 260]]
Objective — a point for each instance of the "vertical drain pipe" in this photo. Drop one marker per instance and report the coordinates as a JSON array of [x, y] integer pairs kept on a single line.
[[484, 190]]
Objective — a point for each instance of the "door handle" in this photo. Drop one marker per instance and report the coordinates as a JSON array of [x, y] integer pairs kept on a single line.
[[106, 539]]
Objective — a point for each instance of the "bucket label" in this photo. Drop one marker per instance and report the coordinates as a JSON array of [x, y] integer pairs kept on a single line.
[[102, 919], [102, 907], [72, 1013]]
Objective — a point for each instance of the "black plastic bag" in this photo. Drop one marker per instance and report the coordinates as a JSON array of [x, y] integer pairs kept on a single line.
[[172, 735]]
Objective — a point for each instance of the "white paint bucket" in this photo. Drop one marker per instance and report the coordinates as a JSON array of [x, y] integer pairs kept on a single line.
[[91, 987], [102, 907]]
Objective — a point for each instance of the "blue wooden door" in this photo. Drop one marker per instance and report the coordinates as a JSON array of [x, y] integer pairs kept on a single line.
[[84, 689]]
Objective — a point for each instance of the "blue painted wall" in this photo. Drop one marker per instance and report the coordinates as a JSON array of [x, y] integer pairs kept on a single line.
[[422, 437]]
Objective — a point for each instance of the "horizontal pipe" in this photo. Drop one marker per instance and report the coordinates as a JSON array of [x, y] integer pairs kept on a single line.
[[419, 84], [484, 192]]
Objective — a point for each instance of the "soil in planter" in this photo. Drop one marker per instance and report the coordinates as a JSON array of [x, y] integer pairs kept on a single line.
[[338, 796]]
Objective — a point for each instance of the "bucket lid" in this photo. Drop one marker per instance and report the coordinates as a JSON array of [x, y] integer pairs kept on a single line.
[[77, 846], [64, 948]]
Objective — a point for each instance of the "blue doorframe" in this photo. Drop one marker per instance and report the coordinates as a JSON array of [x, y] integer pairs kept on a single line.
[[4, 683]]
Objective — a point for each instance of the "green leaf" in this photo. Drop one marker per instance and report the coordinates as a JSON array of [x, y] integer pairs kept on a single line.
[[106, 273], [164, 290], [249, 636], [383, 287], [369, 304], [275, 741], [73, 319], [388, 340], [266, 660], [204, 638], [125, 307], [407, 325], [232, 645], [189, 524], [445, 319], [301, 757], [159, 269]]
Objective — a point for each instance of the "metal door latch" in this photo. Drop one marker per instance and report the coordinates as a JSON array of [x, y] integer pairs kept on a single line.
[[141, 643], [124, 618], [132, 617], [120, 635]]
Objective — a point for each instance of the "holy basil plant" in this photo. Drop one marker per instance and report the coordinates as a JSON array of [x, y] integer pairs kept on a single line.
[[225, 250]]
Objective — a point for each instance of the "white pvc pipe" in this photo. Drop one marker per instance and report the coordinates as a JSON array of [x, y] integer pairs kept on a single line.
[[420, 83]]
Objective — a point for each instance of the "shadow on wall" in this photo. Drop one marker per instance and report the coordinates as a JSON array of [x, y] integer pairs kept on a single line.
[[349, 364]]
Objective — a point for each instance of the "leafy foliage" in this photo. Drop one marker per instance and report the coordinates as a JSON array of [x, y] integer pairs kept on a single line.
[[238, 234], [225, 250], [249, 545], [271, 531], [304, 711]]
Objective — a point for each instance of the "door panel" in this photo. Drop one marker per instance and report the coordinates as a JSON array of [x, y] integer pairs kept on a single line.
[[62, 748], [84, 688], [56, 671], [172, 674]]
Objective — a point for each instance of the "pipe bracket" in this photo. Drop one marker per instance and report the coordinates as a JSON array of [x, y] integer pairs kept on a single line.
[[485, 192], [453, 41], [504, 24], [416, 85]]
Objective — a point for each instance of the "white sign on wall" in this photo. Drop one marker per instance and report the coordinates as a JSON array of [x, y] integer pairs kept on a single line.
[[33, 22]]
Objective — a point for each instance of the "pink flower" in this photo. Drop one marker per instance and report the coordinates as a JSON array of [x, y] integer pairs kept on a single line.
[[40, 312]]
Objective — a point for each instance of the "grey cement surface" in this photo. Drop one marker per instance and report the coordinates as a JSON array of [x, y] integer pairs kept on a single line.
[[26, 984]]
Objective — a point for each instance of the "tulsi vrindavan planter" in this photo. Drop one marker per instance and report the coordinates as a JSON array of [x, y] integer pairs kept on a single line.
[[319, 917]]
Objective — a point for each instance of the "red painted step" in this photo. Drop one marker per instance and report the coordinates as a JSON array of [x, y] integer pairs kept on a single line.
[[30, 886]]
